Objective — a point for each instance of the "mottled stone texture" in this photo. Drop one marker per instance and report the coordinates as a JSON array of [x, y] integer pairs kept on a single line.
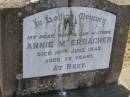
[[12, 3], [99, 91], [9, 62], [21, 3], [126, 60], [121, 2], [11, 49]]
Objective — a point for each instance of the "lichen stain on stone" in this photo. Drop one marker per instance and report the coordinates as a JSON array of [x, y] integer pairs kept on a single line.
[[66, 23], [81, 28], [69, 24]]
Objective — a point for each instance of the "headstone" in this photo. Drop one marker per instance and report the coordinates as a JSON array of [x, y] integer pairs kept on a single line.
[[67, 40], [12, 64]]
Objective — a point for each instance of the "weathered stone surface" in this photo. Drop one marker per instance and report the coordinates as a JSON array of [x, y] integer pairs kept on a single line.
[[12, 3], [11, 49], [124, 78], [0, 56], [22, 3], [126, 60], [9, 62], [98, 91], [90, 78], [121, 2]]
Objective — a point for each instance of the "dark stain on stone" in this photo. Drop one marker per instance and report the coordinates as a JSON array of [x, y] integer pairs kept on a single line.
[[69, 3], [66, 22]]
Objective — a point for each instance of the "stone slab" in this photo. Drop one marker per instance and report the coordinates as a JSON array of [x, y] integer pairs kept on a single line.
[[83, 79], [98, 91]]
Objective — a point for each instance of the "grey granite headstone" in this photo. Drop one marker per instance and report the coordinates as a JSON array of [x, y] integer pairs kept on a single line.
[[75, 80]]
